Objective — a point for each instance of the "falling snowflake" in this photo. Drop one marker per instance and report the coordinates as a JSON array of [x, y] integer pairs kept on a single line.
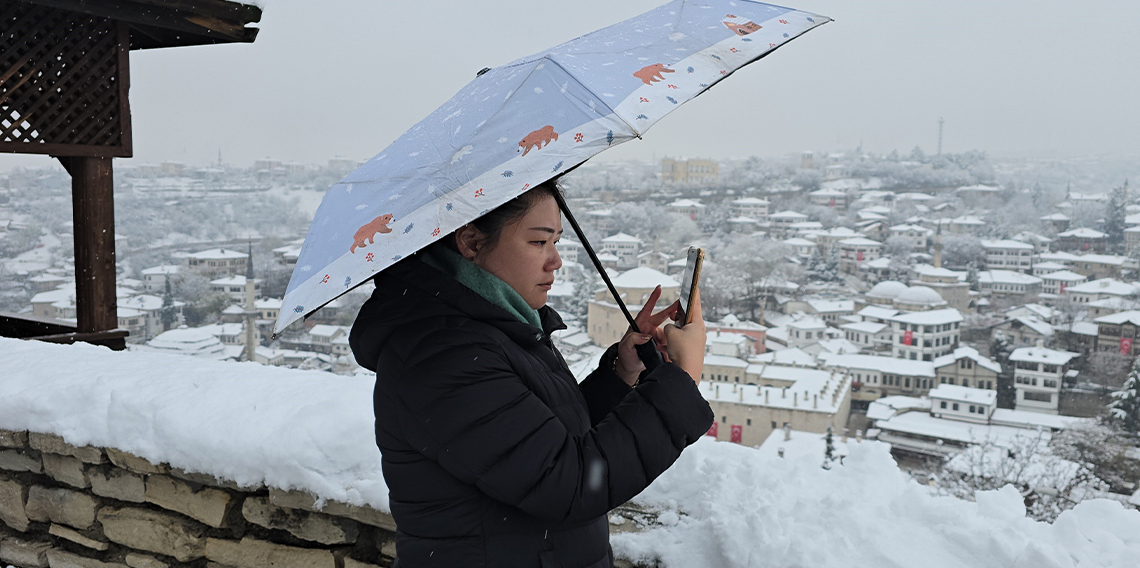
[[556, 167], [607, 94], [408, 229], [508, 173]]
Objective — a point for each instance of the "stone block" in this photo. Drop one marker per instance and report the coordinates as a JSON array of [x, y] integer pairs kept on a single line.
[[315, 527], [350, 563], [74, 536], [13, 438], [62, 506], [303, 500], [129, 461], [62, 559], [52, 444], [207, 479], [13, 498], [161, 533], [20, 460], [66, 470], [208, 505], [253, 553], [118, 484], [24, 553], [136, 560]]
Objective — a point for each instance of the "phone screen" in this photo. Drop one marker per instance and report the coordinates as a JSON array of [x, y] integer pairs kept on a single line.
[[692, 274]]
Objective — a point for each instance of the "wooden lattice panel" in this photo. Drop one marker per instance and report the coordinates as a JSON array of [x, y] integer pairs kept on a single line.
[[63, 82]]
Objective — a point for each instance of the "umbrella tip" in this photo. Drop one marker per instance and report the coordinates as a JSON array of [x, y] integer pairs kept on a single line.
[[482, 71]]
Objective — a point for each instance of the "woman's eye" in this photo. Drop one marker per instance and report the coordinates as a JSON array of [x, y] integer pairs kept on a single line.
[[538, 242]]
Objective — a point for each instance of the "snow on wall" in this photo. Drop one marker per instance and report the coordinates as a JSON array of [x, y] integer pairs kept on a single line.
[[721, 504]]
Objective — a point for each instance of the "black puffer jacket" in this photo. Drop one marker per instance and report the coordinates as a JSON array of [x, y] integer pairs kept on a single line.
[[494, 456]]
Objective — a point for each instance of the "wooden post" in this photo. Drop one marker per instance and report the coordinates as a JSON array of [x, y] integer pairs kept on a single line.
[[93, 212]]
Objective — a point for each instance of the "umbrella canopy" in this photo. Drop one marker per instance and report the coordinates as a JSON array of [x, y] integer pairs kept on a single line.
[[521, 124]]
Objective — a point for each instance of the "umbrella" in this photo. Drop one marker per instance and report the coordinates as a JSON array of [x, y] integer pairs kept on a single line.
[[521, 124]]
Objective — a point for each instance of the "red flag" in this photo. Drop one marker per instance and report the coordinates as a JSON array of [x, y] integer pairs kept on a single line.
[[712, 430], [908, 337], [1125, 345], [737, 432], [859, 255]]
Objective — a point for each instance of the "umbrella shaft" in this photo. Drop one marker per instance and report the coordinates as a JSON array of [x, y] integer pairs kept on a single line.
[[594, 258]]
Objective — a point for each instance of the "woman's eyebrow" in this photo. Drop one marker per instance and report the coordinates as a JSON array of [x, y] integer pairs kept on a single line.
[[546, 229]]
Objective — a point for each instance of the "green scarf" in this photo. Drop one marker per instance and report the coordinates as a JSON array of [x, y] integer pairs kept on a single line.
[[482, 282]]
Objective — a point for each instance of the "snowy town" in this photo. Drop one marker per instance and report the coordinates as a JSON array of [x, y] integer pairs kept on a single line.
[[918, 334]]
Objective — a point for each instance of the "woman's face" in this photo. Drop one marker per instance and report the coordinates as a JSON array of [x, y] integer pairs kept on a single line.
[[525, 257]]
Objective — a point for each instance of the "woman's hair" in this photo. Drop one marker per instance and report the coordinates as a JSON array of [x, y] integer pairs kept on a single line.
[[490, 225]]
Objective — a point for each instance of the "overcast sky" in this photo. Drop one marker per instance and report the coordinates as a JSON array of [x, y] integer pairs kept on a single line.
[[342, 77]]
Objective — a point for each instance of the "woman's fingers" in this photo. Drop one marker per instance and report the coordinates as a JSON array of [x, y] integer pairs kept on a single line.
[[665, 314], [645, 315], [696, 307]]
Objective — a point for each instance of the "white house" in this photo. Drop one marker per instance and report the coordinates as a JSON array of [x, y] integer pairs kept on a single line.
[[1008, 283], [155, 277], [963, 403], [916, 235], [751, 207], [782, 221], [1060, 281], [1038, 376], [868, 335], [624, 247], [801, 247], [923, 336], [218, 261], [1100, 290], [1008, 255], [687, 207], [855, 251], [234, 287]]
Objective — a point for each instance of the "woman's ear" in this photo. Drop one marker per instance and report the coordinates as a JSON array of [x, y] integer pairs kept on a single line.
[[468, 241]]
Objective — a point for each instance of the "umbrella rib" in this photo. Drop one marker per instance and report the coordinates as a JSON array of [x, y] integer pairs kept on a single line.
[[636, 132]]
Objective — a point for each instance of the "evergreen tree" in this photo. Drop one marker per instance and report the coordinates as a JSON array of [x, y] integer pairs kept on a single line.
[[828, 450], [972, 275], [1000, 350], [167, 313], [1125, 406]]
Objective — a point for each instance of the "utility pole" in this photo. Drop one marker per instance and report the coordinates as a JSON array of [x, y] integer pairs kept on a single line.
[[940, 135], [250, 310]]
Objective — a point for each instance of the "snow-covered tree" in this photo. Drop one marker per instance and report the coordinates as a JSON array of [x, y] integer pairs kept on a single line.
[[1114, 216], [1125, 405], [828, 449], [897, 246], [961, 250]]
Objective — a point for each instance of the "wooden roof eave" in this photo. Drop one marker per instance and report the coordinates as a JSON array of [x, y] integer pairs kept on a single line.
[[172, 23]]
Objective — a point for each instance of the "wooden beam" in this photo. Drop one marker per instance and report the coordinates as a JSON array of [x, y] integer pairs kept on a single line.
[[161, 16], [93, 212], [114, 338], [25, 326]]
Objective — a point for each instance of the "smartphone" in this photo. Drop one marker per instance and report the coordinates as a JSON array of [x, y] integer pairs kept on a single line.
[[696, 258]]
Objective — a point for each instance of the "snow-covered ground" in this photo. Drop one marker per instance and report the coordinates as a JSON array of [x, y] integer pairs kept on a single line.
[[720, 505]]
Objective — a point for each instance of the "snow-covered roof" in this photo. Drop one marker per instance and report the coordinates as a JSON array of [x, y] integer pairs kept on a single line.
[[217, 254], [750, 201], [933, 317], [1059, 256], [923, 424], [788, 215], [799, 242], [831, 306], [838, 345], [828, 192], [162, 269], [1084, 328], [937, 272], [967, 220], [1108, 286], [979, 188], [267, 303], [920, 295], [238, 280], [1130, 316], [830, 390], [966, 352], [1055, 217], [1007, 277], [887, 289], [1029, 419], [1007, 244], [725, 361], [859, 242], [960, 393], [870, 327], [891, 365], [123, 312], [324, 330], [188, 341], [879, 263], [1110, 259], [683, 203], [808, 323], [142, 302], [888, 406], [1036, 324], [1041, 355], [1064, 276], [644, 277], [790, 357], [878, 312], [1083, 233], [621, 238]]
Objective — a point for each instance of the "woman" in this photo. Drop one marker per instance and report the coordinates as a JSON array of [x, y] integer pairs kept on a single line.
[[493, 454]]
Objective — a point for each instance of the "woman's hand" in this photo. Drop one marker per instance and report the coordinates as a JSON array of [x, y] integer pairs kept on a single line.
[[629, 366], [686, 345]]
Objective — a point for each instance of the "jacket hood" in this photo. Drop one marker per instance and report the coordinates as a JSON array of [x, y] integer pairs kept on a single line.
[[411, 291]]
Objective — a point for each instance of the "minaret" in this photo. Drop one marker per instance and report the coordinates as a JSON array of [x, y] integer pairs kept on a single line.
[[938, 246], [250, 310]]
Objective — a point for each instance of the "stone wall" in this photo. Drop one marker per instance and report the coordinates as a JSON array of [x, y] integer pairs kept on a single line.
[[67, 507]]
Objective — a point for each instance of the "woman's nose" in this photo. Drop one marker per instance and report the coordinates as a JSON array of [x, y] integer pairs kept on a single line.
[[554, 263]]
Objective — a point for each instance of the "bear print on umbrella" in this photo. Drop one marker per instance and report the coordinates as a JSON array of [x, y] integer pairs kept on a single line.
[[652, 73], [367, 233], [740, 26], [537, 139]]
